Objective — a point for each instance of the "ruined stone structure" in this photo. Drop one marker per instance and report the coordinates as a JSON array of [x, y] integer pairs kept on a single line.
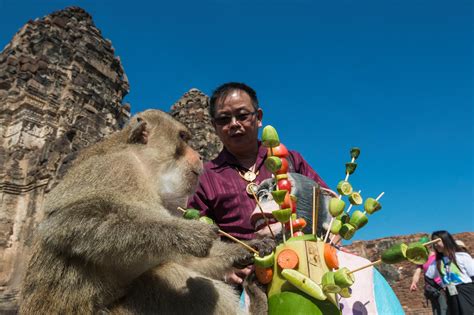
[[193, 111], [400, 275], [61, 89]]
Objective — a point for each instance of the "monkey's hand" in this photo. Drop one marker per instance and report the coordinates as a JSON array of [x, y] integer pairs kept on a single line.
[[264, 247], [198, 239]]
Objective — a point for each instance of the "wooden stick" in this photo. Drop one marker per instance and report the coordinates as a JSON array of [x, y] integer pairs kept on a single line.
[[315, 209], [431, 242], [230, 237], [366, 266], [291, 227], [284, 232], [263, 213], [380, 196], [238, 241]]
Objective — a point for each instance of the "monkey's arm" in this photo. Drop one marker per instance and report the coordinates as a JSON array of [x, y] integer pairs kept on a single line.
[[103, 234], [223, 256]]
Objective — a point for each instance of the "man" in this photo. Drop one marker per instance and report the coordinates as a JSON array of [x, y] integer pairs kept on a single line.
[[222, 192]]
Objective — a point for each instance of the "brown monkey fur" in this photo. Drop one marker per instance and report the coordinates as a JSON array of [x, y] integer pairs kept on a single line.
[[112, 240]]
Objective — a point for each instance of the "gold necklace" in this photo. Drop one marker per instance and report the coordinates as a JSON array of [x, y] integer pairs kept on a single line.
[[249, 176]]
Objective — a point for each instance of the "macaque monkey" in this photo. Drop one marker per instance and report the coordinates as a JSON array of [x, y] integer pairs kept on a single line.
[[112, 240]]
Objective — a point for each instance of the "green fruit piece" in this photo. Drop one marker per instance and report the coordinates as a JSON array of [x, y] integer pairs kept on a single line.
[[336, 226], [371, 205], [336, 206], [345, 293], [282, 215], [395, 254], [355, 199], [192, 214], [350, 167], [344, 188], [328, 284], [270, 137], [344, 217], [264, 262], [279, 196], [303, 283], [206, 220], [416, 253], [358, 219], [273, 164], [293, 303], [347, 231], [344, 278], [355, 151]]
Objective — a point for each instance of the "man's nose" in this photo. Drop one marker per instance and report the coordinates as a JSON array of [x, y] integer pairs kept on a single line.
[[233, 121]]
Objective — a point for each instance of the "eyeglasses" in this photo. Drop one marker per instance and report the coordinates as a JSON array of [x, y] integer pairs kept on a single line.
[[224, 120]]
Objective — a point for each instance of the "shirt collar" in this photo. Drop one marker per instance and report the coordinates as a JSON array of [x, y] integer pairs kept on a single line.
[[226, 159]]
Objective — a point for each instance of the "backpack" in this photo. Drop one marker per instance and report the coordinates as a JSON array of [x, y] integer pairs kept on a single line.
[[432, 290]]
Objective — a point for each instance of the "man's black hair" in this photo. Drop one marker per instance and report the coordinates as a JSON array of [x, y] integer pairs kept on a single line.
[[223, 91]]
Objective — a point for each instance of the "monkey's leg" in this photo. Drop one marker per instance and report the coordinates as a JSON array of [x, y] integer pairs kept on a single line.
[[175, 289]]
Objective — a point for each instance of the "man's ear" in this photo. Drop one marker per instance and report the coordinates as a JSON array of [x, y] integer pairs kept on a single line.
[[139, 132], [259, 117]]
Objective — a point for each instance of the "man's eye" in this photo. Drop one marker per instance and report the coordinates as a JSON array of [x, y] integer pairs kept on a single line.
[[222, 120], [242, 117]]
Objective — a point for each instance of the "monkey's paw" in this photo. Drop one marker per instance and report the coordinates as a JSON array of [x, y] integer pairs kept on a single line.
[[264, 246], [200, 239]]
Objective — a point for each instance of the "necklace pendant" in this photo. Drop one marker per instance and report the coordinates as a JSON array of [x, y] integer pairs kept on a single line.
[[250, 176], [251, 189]]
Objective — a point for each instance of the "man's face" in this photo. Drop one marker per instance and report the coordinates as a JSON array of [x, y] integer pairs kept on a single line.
[[236, 122]]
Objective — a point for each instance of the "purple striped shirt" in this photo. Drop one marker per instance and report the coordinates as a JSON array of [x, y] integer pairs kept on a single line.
[[221, 193]]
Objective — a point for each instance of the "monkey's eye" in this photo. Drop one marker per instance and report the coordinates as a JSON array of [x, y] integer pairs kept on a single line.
[[184, 135]]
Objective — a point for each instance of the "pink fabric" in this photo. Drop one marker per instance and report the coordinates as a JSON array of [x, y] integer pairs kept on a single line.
[[221, 192], [426, 265]]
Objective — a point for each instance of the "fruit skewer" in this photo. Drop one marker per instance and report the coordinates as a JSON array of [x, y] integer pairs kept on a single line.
[[354, 154], [348, 210], [380, 260], [230, 237]]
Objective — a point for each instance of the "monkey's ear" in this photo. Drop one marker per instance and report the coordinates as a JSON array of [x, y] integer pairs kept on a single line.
[[139, 132]]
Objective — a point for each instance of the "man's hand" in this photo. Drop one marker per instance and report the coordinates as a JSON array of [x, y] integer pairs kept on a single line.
[[237, 276]]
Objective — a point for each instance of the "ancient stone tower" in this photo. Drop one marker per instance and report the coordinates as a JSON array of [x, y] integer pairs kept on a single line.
[[193, 111], [61, 89]]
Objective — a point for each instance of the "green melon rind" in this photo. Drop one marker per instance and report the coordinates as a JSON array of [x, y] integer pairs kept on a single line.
[[270, 137], [371, 205], [345, 293], [279, 195], [336, 206], [347, 231], [282, 215], [355, 199], [395, 254], [273, 164], [358, 219], [350, 168], [336, 226], [344, 188], [417, 253], [355, 151], [264, 262], [192, 214], [328, 283], [343, 278]]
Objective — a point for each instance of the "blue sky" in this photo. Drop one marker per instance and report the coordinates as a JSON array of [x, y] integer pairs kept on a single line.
[[394, 78]]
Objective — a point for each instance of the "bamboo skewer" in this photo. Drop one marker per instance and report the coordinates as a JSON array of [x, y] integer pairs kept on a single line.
[[263, 214], [230, 237], [291, 227], [315, 209], [366, 266], [431, 242], [348, 210]]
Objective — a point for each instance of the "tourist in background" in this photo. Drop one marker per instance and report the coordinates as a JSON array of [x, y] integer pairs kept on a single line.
[[432, 289], [455, 267]]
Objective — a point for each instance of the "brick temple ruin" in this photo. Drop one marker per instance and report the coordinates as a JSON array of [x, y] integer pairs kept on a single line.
[[62, 89]]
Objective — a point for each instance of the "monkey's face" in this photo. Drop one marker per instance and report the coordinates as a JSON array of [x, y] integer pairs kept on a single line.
[[174, 166]]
